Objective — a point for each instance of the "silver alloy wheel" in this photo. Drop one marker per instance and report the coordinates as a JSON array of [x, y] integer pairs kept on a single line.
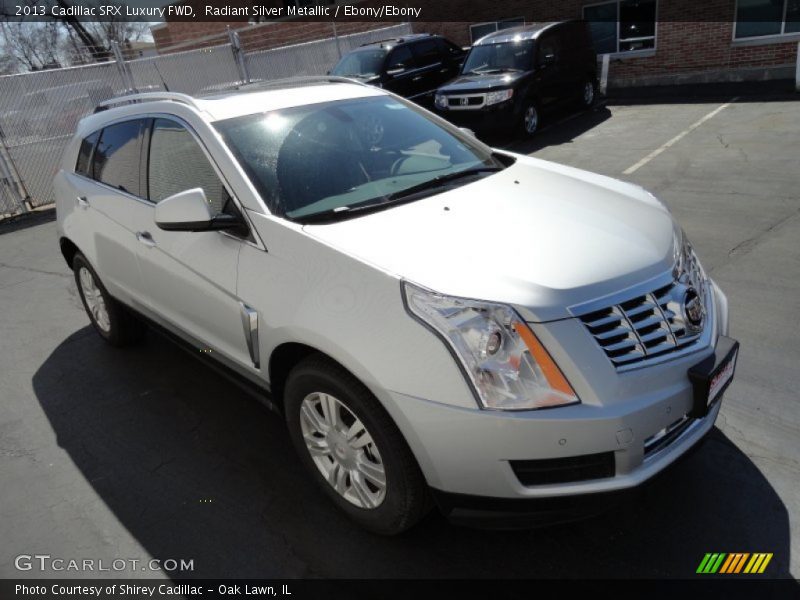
[[588, 93], [531, 119], [343, 450], [94, 299]]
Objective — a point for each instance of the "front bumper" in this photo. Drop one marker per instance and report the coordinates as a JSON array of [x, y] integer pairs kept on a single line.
[[642, 421], [515, 513], [499, 117]]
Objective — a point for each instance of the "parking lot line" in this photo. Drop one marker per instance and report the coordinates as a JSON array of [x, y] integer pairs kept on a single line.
[[678, 137]]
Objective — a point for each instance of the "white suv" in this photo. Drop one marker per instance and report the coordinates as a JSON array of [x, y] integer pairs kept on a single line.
[[438, 321]]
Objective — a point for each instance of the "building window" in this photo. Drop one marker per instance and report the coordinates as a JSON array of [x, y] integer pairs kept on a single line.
[[622, 25], [479, 30], [761, 18]]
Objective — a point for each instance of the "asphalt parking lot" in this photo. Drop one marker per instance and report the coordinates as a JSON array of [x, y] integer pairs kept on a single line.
[[143, 452]]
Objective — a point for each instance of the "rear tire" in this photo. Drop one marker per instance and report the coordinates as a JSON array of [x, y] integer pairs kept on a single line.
[[352, 448], [588, 94], [115, 323]]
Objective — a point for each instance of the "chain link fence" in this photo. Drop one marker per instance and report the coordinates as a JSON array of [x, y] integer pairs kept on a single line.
[[38, 116], [39, 111]]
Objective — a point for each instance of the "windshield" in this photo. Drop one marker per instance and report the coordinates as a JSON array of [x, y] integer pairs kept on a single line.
[[508, 56], [362, 62], [334, 156]]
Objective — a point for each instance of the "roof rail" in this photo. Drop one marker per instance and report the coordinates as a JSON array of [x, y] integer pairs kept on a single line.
[[399, 39], [147, 97], [297, 82]]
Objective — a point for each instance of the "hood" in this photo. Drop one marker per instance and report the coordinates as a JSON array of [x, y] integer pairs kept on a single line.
[[537, 235], [474, 83]]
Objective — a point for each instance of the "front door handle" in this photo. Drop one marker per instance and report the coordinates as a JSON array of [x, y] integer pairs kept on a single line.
[[145, 238], [83, 202], [417, 78]]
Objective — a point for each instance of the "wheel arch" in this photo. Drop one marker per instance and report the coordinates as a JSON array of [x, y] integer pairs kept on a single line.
[[287, 355], [281, 361], [68, 250]]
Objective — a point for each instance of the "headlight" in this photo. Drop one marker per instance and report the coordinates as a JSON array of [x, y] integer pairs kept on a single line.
[[441, 101], [499, 96], [687, 267], [504, 361]]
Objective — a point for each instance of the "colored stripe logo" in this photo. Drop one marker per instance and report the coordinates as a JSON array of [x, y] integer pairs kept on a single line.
[[734, 563]]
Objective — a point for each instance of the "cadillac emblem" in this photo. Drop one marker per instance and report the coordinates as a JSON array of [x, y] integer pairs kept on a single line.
[[693, 309]]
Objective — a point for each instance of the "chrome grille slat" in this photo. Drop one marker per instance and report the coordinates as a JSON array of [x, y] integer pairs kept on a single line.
[[644, 326], [605, 336], [642, 309], [656, 335], [631, 343], [602, 321], [649, 321]]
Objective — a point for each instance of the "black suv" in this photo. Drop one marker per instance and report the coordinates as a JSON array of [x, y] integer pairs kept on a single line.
[[412, 66], [511, 76]]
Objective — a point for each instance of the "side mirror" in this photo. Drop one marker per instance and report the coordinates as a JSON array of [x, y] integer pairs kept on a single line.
[[547, 59], [396, 71], [468, 131], [189, 211]]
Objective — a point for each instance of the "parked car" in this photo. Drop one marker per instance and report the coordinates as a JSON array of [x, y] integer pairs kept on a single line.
[[434, 318], [412, 66], [512, 76]]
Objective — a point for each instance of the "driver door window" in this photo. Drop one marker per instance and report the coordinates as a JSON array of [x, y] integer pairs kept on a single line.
[[177, 163], [549, 51]]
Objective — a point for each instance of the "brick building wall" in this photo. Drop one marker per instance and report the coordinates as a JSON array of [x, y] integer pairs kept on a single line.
[[180, 36], [694, 39]]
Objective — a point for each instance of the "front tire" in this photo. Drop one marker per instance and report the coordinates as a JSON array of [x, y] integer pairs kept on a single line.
[[115, 324], [352, 448], [530, 118]]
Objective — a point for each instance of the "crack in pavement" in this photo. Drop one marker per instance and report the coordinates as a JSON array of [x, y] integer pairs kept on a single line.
[[746, 246], [30, 270]]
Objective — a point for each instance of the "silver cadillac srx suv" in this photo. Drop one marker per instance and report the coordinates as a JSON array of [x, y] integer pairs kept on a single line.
[[439, 322]]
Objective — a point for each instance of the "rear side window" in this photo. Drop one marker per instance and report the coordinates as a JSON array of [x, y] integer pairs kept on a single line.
[[427, 53], [177, 163], [116, 157], [400, 58], [85, 154]]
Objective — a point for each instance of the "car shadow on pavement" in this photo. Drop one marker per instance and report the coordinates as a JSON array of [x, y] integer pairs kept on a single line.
[[26, 220], [559, 127], [196, 469]]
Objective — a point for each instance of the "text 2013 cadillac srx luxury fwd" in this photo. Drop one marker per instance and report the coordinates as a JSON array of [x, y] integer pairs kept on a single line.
[[439, 322]]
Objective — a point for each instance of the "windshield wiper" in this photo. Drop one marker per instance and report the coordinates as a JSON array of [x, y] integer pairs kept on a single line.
[[395, 198], [440, 180]]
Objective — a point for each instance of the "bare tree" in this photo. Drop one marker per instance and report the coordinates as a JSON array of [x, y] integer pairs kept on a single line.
[[82, 41], [8, 65], [34, 46]]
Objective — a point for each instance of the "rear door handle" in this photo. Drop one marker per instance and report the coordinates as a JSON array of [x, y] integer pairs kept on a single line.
[[417, 78], [145, 238], [83, 202]]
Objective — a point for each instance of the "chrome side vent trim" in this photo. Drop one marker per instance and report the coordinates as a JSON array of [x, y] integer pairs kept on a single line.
[[250, 325]]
